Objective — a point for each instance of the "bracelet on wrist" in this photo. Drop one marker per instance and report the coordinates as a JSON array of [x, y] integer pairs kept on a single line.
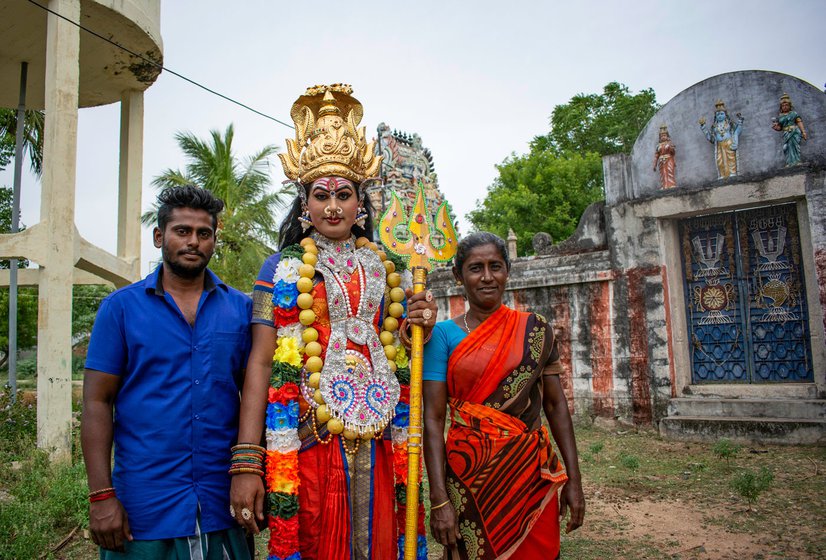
[[102, 495]]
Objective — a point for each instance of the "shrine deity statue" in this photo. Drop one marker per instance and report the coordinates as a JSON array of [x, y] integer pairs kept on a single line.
[[791, 125], [664, 161], [724, 133]]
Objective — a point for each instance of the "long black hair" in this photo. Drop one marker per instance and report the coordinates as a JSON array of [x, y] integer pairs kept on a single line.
[[291, 231]]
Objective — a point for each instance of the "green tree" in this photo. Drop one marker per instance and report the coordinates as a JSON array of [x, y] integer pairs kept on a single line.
[[539, 192], [247, 230], [26, 297], [85, 303], [603, 124], [548, 188], [32, 137]]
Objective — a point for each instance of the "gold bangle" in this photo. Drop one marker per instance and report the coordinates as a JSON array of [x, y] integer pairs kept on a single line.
[[248, 447], [443, 504]]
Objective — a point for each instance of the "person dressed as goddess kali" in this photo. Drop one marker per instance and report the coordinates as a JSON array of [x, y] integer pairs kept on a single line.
[[327, 379]]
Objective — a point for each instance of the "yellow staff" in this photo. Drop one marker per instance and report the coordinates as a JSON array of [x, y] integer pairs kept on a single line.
[[415, 244]]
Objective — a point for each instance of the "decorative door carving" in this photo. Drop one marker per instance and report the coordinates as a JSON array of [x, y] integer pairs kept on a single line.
[[745, 297]]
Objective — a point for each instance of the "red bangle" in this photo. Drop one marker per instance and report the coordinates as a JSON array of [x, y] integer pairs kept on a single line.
[[102, 496]]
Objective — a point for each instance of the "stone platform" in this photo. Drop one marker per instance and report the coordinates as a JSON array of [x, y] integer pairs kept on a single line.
[[746, 420]]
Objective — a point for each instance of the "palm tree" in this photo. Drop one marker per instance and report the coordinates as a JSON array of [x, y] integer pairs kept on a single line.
[[32, 136], [247, 227]]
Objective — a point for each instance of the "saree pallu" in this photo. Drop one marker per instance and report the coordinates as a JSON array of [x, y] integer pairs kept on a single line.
[[502, 472]]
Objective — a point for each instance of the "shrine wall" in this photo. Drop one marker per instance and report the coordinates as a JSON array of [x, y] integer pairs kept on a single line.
[[620, 308], [754, 94]]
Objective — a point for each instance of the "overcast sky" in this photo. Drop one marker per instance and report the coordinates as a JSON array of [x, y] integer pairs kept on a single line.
[[476, 80]]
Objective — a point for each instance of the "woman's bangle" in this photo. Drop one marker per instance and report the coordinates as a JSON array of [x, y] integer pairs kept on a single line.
[[443, 504]]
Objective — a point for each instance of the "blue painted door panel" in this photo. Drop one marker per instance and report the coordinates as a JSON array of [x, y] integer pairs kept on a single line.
[[745, 297]]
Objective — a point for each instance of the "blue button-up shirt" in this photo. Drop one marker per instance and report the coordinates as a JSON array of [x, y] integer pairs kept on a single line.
[[176, 411]]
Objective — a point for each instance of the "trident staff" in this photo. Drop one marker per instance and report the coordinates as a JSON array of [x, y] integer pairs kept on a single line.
[[418, 250]]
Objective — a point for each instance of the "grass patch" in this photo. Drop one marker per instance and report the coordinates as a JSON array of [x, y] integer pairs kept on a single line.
[[40, 501], [786, 519]]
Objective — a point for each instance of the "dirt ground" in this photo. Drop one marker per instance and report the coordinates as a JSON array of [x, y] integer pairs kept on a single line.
[[675, 527]]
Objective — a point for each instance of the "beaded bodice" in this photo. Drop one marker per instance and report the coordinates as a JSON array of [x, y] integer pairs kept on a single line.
[[362, 391]]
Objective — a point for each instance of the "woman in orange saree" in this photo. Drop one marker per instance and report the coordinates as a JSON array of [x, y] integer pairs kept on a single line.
[[494, 483]]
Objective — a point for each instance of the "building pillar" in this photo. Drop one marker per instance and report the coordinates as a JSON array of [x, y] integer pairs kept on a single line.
[[57, 212], [130, 180]]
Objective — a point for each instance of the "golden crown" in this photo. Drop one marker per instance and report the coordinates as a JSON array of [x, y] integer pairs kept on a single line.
[[719, 105], [327, 141]]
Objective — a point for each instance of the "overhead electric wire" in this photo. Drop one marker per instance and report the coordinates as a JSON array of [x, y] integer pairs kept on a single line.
[[160, 66]]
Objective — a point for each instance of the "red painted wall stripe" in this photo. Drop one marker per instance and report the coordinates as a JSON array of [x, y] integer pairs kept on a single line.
[[562, 331], [602, 366], [820, 270], [638, 333], [457, 306]]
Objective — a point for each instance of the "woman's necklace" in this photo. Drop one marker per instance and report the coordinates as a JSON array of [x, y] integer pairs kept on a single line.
[[467, 328]]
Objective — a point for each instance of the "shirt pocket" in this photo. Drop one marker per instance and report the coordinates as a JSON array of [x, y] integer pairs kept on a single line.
[[227, 356]]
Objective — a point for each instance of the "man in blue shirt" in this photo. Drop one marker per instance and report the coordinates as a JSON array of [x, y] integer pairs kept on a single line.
[[163, 372]]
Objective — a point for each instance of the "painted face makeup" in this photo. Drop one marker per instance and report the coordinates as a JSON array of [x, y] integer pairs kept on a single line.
[[333, 203]]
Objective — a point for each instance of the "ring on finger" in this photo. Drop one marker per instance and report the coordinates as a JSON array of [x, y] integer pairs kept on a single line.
[[246, 514], [426, 315], [428, 296]]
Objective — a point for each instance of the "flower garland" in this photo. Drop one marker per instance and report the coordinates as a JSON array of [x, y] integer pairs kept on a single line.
[[297, 358], [282, 477]]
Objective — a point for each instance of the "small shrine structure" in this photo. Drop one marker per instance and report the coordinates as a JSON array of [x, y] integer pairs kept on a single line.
[[694, 297]]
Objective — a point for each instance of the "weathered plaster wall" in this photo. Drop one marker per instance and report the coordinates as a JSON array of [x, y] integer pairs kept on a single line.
[[602, 322], [816, 204]]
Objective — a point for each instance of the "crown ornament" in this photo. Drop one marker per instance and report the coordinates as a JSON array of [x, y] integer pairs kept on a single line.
[[328, 142]]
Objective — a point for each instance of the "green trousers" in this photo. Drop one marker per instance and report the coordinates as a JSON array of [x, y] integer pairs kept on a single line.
[[230, 544]]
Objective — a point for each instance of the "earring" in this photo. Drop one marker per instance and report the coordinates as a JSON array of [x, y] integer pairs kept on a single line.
[[361, 216], [306, 222]]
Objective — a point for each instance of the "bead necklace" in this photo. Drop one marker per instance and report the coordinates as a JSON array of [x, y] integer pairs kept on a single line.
[[340, 261], [467, 328]]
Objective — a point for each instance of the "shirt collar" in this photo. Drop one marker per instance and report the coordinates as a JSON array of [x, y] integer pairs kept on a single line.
[[154, 282]]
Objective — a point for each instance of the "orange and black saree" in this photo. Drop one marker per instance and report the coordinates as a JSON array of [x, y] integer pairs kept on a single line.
[[502, 472]]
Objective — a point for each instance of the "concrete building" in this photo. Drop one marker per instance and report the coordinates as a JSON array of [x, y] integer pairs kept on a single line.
[[698, 308], [70, 68]]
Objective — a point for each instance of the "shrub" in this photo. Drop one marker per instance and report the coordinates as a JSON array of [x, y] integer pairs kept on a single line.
[[750, 484], [41, 501], [726, 449], [630, 462]]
